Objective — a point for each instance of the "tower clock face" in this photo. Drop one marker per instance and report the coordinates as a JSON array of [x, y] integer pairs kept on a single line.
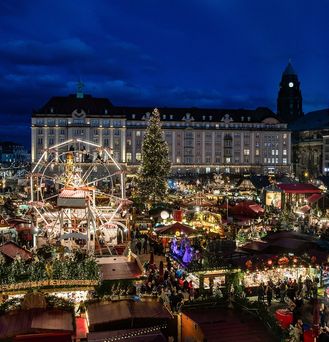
[[291, 84]]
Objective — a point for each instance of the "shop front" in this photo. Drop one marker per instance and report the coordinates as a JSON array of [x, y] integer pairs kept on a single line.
[[252, 279]]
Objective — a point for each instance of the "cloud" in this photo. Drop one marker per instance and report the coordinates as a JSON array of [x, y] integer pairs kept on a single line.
[[39, 53]]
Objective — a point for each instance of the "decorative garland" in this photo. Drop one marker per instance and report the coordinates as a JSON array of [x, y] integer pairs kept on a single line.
[[280, 261]]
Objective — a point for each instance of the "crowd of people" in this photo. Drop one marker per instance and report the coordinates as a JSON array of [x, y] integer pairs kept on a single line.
[[169, 283]]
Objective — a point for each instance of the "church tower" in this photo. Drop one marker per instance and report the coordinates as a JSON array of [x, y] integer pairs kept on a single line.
[[289, 104]]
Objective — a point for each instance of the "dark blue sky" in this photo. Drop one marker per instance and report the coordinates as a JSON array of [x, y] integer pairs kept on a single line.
[[204, 53]]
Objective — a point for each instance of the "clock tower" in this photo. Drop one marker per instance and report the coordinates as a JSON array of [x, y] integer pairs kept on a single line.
[[289, 103]]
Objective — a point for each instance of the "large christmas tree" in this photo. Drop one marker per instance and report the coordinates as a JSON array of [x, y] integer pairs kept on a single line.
[[155, 164]]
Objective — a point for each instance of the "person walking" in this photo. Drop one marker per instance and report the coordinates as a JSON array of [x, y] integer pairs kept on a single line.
[[269, 294], [260, 292], [139, 246], [145, 241]]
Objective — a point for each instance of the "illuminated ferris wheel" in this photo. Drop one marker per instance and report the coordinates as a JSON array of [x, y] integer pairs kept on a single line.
[[77, 191]]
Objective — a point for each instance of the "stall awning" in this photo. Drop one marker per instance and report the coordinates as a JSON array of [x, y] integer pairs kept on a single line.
[[299, 188], [314, 198], [304, 209]]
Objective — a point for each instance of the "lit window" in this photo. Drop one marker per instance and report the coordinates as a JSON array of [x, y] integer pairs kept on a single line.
[[128, 157], [138, 156], [284, 152], [138, 133], [246, 152], [257, 152], [284, 160]]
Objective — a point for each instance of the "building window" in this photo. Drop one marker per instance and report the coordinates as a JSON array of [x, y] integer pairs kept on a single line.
[[128, 157], [62, 132], [117, 123], [138, 133], [284, 160], [128, 142], [138, 156], [228, 160], [246, 152], [257, 152], [40, 141], [94, 122], [40, 131], [284, 152], [79, 121], [51, 141], [106, 123], [106, 142]]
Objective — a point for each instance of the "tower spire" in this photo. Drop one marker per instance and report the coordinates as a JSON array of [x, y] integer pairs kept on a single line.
[[80, 87]]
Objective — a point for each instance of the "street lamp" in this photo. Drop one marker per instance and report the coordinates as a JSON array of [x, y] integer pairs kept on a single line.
[[35, 231]]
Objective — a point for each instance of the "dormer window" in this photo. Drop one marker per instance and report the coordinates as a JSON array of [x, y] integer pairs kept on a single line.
[[249, 118], [164, 116], [51, 110], [133, 116], [171, 117], [210, 117], [203, 117], [105, 111], [242, 118]]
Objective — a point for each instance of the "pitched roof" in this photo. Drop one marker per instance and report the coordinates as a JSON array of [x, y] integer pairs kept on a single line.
[[100, 313], [67, 104], [118, 267], [94, 106], [131, 335], [221, 324], [318, 119], [199, 114], [35, 320], [299, 188], [10, 249]]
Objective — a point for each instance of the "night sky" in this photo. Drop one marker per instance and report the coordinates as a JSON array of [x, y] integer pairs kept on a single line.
[[201, 53]]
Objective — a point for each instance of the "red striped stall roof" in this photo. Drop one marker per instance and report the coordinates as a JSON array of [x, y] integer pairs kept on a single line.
[[68, 193], [313, 198], [299, 188]]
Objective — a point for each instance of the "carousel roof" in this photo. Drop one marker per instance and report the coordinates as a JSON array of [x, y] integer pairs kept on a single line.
[[172, 229]]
